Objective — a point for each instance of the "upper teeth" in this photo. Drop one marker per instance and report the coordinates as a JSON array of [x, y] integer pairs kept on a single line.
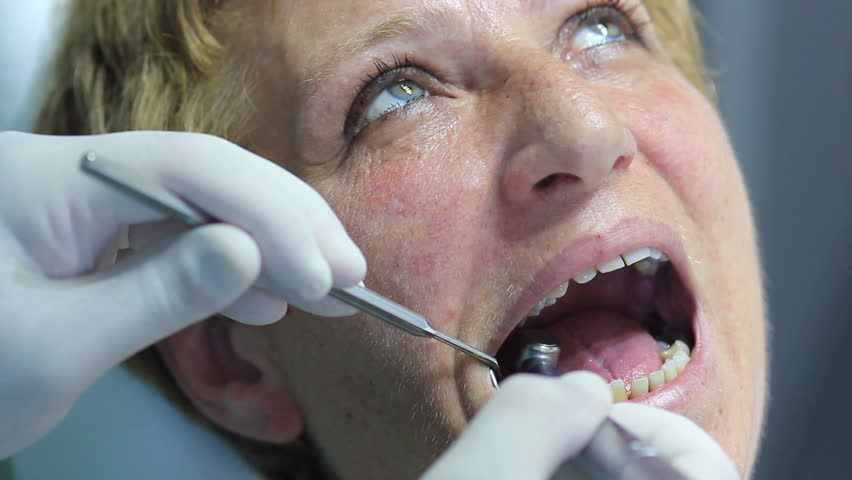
[[646, 260]]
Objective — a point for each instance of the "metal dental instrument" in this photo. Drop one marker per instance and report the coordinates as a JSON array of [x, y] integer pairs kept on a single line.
[[613, 453], [395, 314], [135, 185]]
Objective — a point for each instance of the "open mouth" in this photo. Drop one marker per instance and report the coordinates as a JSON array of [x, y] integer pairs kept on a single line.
[[629, 319]]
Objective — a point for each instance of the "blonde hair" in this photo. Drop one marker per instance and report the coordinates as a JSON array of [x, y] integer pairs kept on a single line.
[[675, 23], [163, 65], [146, 65]]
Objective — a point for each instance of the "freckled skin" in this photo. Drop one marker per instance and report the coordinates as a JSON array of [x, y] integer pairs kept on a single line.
[[441, 199]]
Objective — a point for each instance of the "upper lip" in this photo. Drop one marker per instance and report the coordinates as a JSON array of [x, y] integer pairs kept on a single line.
[[587, 252]]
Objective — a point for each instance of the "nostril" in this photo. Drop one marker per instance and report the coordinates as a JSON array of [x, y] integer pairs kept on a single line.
[[623, 161], [545, 182], [552, 179]]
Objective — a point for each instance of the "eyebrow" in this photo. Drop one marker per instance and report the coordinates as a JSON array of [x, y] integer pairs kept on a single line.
[[401, 23]]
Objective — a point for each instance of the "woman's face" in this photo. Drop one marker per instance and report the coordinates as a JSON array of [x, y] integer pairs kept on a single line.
[[483, 153]]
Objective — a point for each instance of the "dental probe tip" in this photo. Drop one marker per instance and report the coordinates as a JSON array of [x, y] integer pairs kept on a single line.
[[463, 347], [492, 379]]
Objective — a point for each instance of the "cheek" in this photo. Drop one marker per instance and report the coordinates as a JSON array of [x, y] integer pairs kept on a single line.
[[684, 140], [411, 206]]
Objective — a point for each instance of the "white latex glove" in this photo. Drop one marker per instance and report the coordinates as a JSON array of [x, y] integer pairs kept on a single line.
[[534, 423], [63, 323]]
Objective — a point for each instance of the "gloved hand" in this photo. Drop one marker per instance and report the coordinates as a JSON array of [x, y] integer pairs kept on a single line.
[[533, 423], [65, 322]]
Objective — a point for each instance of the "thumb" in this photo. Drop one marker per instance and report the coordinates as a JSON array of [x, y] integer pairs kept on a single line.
[[157, 292], [690, 449], [528, 429]]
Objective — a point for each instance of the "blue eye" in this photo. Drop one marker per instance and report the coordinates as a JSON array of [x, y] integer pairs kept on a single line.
[[393, 97], [595, 34]]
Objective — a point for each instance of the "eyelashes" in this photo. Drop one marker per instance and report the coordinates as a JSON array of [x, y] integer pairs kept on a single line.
[[392, 86], [621, 13], [400, 74], [383, 68]]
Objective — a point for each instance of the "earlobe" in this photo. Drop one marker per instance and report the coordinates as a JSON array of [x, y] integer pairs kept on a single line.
[[235, 387]]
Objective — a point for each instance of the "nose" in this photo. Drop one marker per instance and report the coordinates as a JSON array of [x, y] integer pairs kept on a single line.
[[564, 138]]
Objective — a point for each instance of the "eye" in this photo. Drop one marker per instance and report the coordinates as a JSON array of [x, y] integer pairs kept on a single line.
[[597, 33], [393, 97], [389, 89]]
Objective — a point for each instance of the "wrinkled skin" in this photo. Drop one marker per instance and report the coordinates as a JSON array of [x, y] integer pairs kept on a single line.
[[444, 198]]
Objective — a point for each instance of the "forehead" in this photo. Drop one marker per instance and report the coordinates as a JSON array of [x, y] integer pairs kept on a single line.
[[318, 32]]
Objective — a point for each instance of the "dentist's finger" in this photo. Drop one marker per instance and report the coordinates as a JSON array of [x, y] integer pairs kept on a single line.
[[234, 185], [347, 262], [690, 449], [279, 210], [150, 295], [260, 305], [327, 307], [257, 306], [144, 234], [528, 429]]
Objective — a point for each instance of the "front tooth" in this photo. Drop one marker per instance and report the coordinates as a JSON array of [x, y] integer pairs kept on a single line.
[[656, 379], [586, 276], [619, 391], [635, 255], [670, 370], [680, 359], [611, 265], [560, 290], [638, 387], [647, 267], [549, 300]]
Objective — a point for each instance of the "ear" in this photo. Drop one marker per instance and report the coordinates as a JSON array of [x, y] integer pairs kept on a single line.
[[225, 369]]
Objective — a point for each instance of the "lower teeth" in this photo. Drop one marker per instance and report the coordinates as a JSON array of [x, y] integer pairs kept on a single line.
[[676, 358]]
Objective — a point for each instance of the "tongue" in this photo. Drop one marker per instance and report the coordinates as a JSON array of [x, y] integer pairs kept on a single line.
[[607, 343]]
